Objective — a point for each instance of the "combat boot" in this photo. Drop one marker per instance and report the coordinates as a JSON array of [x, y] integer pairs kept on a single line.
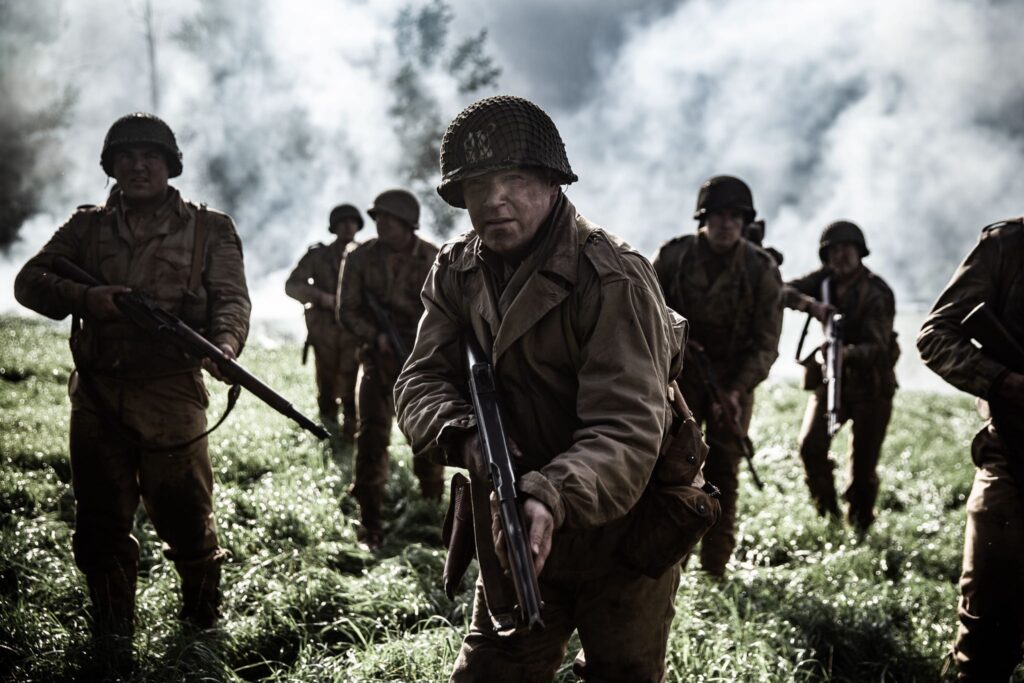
[[112, 594], [113, 601], [200, 590], [372, 533]]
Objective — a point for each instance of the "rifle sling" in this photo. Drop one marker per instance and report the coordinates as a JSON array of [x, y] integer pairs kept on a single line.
[[111, 420], [198, 249]]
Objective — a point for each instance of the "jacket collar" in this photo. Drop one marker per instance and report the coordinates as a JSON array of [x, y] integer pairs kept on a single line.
[[549, 276]]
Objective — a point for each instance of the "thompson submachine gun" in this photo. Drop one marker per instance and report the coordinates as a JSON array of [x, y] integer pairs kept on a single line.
[[145, 313], [495, 449]]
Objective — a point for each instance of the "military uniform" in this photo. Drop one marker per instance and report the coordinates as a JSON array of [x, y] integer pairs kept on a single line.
[[394, 279], [334, 347], [989, 640], [868, 384], [582, 348], [733, 305], [131, 393]]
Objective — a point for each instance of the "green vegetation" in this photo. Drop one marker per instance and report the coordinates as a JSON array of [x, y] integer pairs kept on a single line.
[[806, 600]]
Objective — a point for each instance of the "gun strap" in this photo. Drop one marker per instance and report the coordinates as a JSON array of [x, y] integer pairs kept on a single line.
[[803, 338], [199, 249], [111, 420]]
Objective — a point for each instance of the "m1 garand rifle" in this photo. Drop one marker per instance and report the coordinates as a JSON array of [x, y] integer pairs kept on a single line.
[[494, 445], [729, 417], [833, 350], [145, 313], [996, 342], [387, 325]]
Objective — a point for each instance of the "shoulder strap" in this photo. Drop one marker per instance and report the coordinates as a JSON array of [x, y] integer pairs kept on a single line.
[[199, 249]]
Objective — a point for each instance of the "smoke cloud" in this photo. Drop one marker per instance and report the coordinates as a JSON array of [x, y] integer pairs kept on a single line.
[[902, 116]]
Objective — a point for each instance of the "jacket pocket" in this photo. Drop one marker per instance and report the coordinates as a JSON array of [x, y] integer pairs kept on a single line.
[[666, 525]]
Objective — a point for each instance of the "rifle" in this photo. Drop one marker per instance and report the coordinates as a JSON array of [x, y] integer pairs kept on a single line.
[[494, 445], [984, 327], [710, 381], [145, 313], [833, 361], [387, 325]]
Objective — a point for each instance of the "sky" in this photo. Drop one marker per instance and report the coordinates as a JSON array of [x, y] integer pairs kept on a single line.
[[904, 116]]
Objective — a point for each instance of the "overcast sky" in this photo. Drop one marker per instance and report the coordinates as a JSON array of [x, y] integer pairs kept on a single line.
[[903, 116]]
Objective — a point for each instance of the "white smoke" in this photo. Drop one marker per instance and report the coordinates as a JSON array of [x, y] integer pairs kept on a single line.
[[903, 116]]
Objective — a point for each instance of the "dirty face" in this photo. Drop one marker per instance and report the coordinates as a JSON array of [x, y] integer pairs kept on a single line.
[[507, 208], [141, 173], [723, 229], [843, 258]]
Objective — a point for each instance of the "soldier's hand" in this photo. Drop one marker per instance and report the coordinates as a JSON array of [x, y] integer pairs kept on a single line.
[[821, 310], [539, 526], [731, 410], [1012, 389], [212, 368], [384, 344], [99, 301]]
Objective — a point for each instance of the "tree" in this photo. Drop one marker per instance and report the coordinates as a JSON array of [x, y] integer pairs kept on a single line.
[[422, 40]]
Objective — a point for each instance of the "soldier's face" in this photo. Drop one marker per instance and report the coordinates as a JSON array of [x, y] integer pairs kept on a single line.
[[392, 231], [508, 207], [141, 173], [723, 228], [346, 229], [843, 258]]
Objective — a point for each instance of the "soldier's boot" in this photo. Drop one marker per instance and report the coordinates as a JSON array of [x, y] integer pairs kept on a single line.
[[112, 594], [200, 590], [349, 421], [371, 534], [861, 498], [823, 495]]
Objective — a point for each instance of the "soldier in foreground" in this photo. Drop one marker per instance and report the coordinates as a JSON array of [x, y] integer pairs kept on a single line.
[[989, 640], [868, 382], [730, 291], [380, 304], [583, 348], [314, 283], [138, 404]]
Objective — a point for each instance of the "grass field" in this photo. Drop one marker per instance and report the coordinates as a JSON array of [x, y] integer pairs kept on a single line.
[[805, 601]]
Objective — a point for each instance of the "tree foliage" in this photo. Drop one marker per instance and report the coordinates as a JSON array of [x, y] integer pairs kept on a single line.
[[426, 52]]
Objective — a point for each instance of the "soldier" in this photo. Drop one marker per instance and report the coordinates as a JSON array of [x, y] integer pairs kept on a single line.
[[730, 291], [380, 304], [989, 641], [868, 378], [583, 347], [314, 282], [138, 402]]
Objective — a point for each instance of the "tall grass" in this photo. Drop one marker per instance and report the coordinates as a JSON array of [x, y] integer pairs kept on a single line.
[[806, 600]]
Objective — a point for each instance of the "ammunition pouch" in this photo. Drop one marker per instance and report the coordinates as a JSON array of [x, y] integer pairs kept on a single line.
[[457, 535], [677, 508]]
